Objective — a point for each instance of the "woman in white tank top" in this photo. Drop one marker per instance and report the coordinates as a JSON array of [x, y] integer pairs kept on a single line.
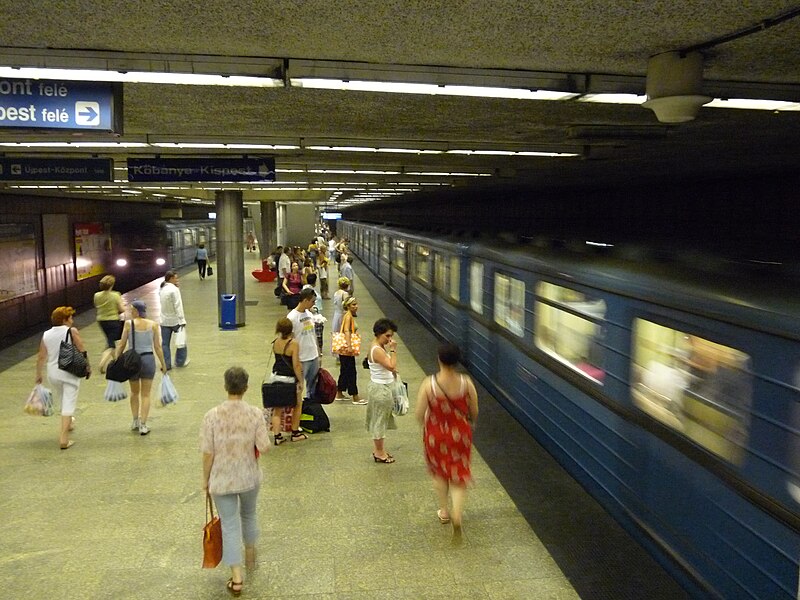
[[382, 369]]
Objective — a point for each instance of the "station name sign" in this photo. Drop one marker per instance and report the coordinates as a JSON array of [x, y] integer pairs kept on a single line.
[[49, 104], [56, 169], [201, 169]]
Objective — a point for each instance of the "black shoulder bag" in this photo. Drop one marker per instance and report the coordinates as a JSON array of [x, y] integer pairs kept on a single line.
[[70, 359], [128, 364], [277, 394]]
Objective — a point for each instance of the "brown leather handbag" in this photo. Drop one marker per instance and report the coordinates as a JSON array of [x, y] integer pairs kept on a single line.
[[212, 537]]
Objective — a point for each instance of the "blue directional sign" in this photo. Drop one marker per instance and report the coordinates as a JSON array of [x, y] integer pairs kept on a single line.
[[201, 169], [56, 169], [46, 104]]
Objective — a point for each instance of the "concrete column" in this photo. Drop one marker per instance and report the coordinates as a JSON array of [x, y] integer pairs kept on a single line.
[[230, 258], [269, 228]]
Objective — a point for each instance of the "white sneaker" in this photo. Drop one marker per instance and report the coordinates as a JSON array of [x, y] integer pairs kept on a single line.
[[135, 425], [144, 429], [186, 364], [361, 402]]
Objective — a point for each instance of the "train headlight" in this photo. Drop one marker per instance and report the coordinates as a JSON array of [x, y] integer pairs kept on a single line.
[[121, 262], [161, 262]]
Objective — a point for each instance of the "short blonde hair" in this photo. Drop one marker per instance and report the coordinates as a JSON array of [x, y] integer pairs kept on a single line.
[[107, 282], [343, 283], [60, 315]]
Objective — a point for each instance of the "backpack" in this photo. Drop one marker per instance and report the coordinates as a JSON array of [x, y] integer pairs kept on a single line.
[[313, 419], [324, 387]]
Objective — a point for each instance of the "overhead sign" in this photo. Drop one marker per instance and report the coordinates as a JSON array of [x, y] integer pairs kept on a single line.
[[201, 169], [56, 169], [46, 104]]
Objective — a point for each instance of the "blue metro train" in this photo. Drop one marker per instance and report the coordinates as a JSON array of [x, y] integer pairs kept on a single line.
[[144, 250], [669, 390]]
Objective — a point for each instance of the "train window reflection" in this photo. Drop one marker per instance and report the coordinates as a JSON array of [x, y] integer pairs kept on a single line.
[[509, 303], [455, 278], [385, 248], [440, 273], [422, 258], [698, 387], [400, 254], [569, 327], [476, 286]]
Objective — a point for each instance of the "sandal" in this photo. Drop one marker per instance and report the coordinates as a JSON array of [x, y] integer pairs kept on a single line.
[[299, 436], [442, 520], [279, 439], [234, 587], [388, 460], [68, 445]]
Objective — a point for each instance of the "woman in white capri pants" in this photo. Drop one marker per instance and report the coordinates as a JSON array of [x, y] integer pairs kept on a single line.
[[64, 385]]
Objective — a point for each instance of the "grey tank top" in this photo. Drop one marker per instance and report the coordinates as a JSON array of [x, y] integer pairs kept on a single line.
[[144, 341]]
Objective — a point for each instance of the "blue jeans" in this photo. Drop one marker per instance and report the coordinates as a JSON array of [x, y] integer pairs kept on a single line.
[[310, 370], [180, 353], [237, 513]]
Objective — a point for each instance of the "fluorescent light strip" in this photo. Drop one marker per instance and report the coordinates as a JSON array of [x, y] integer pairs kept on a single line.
[[350, 172], [140, 77], [74, 144], [753, 104], [433, 174], [613, 98], [511, 153], [370, 149], [430, 89], [211, 146]]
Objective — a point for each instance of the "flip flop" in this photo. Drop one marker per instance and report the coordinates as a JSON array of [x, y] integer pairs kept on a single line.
[[442, 520], [68, 445]]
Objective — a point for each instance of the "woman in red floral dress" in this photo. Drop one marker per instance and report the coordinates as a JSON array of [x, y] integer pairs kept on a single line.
[[447, 406]]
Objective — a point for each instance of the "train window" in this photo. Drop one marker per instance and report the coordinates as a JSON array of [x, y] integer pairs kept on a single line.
[[476, 286], [569, 328], [188, 238], [385, 247], [422, 257], [455, 278], [698, 387], [440, 273], [400, 254], [509, 303]]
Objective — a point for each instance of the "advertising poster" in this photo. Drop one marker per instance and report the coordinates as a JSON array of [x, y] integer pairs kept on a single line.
[[17, 261], [92, 249]]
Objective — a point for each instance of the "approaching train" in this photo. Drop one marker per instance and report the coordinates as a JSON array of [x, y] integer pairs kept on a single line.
[[144, 250], [669, 390]]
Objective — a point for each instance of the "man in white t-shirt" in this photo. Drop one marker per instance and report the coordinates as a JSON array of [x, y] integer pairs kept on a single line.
[[303, 330]]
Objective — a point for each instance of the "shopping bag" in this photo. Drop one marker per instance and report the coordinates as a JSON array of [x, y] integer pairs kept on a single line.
[[212, 537], [209, 270], [169, 395], [180, 337], [39, 402], [115, 391], [339, 343], [400, 401], [70, 359]]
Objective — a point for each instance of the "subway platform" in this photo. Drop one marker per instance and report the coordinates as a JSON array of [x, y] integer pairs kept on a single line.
[[119, 515]]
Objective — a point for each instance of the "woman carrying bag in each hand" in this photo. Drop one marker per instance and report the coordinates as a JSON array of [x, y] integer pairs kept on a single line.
[[65, 385]]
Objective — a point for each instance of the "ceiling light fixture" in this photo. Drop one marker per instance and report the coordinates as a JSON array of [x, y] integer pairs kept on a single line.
[[139, 77], [754, 104], [613, 98], [429, 89]]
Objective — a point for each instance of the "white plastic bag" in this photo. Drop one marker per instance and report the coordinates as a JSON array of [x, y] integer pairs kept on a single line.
[[39, 402], [180, 337], [169, 395], [115, 391], [400, 401]]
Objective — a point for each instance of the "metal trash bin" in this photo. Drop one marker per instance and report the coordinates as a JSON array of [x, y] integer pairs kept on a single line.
[[228, 312]]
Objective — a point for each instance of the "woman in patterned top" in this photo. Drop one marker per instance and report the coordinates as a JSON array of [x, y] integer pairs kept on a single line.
[[231, 438]]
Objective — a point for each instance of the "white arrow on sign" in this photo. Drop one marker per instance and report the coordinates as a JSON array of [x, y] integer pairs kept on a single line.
[[87, 113]]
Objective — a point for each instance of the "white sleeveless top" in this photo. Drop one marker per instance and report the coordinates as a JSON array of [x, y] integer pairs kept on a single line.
[[377, 372]]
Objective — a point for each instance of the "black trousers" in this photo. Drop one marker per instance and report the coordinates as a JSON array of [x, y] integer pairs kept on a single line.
[[201, 267], [348, 378]]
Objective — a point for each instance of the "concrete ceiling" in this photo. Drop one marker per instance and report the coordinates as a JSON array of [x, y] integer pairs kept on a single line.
[[617, 144]]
